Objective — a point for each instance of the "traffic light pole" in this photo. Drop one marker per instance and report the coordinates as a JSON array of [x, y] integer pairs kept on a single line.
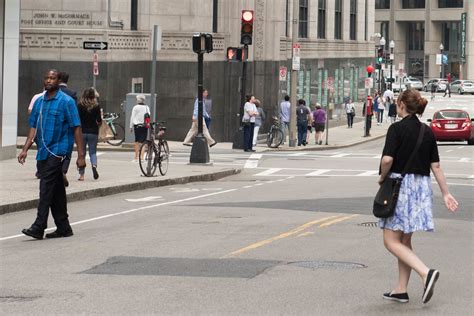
[[294, 77]]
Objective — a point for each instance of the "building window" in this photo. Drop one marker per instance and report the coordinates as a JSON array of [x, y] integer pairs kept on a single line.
[[322, 18], [214, 16], [384, 31], [337, 21], [450, 3], [416, 36], [382, 4], [413, 4], [451, 34], [303, 29], [353, 20], [134, 15]]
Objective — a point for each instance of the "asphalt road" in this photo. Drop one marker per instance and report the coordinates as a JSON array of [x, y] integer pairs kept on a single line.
[[293, 234]]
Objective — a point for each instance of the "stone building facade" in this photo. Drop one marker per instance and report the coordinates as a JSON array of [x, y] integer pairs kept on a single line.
[[334, 54], [419, 27]]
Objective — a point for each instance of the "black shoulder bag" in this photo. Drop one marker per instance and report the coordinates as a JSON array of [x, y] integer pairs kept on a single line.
[[385, 201]]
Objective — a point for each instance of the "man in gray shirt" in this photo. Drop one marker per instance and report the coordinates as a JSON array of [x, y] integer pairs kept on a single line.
[[285, 114]]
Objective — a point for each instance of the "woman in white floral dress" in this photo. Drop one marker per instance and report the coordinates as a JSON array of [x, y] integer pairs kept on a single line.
[[414, 208]]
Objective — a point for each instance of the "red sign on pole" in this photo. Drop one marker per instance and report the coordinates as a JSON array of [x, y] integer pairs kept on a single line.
[[95, 64]]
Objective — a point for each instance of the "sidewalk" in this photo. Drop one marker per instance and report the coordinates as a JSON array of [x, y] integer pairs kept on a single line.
[[19, 188]]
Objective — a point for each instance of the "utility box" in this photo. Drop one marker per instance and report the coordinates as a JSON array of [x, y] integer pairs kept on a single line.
[[129, 103]]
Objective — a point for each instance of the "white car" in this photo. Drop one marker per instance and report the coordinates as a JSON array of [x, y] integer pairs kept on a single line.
[[462, 86], [414, 83], [441, 85], [396, 85]]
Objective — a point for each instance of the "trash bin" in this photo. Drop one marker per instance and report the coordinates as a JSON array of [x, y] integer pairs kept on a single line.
[[129, 103]]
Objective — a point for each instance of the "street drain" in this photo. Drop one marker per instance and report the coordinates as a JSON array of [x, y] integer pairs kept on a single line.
[[17, 298], [328, 265], [369, 224]]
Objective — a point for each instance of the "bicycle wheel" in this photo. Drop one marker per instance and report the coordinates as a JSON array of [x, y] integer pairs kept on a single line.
[[163, 160], [275, 138], [119, 135], [148, 162]]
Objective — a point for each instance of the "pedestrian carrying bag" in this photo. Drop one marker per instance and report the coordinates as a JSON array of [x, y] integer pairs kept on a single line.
[[386, 198], [105, 132]]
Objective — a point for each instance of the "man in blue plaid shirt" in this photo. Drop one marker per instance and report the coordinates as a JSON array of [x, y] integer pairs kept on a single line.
[[55, 123]]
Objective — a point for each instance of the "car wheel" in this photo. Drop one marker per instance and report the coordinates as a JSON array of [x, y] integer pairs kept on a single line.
[[460, 92], [470, 141]]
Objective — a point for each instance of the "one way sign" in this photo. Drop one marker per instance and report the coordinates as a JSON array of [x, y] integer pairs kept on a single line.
[[95, 45]]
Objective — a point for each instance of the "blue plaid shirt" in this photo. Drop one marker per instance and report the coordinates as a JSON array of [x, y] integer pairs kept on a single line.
[[54, 120]]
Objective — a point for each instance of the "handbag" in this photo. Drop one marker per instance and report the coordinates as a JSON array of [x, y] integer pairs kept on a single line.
[[105, 132], [386, 198]]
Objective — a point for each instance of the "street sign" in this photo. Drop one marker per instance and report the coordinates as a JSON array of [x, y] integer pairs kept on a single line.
[[296, 62], [283, 72], [95, 64], [369, 83], [330, 84], [438, 59], [463, 36], [95, 45]]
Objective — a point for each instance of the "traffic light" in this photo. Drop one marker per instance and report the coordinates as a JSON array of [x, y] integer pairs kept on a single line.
[[236, 54], [246, 30], [380, 55], [202, 43]]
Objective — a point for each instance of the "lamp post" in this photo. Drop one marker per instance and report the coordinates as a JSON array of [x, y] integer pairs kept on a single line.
[[382, 47], [392, 46], [441, 48]]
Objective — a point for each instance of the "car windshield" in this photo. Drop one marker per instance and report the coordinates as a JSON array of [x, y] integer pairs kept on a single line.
[[442, 115]]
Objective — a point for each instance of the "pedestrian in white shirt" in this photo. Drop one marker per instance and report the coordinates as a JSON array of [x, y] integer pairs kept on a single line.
[[137, 123]]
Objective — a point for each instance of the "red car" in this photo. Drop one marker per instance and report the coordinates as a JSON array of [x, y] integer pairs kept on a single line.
[[452, 125]]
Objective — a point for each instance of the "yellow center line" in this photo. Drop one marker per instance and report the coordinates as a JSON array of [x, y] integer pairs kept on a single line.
[[284, 235], [337, 220]]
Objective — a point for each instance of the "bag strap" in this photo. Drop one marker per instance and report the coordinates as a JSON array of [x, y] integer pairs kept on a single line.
[[418, 144]]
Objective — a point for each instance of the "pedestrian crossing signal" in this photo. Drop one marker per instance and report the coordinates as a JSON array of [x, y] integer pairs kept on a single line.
[[236, 54]]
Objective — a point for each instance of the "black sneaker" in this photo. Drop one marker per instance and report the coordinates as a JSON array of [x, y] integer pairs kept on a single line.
[[95, 173], [433, 276], [399, 297]]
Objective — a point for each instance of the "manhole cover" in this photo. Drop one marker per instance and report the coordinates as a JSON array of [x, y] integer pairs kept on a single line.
[[327, 265], [369, 224]]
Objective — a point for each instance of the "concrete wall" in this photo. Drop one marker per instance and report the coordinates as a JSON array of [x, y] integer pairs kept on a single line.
[[9, 42]]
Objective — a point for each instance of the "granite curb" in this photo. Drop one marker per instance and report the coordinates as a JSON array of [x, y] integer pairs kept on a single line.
[[129, 187]]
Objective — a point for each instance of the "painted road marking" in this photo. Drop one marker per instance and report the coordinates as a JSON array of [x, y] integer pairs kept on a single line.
[[252, 161], [317, 172], [337, 220], [268, 172], [339, 155], [289, 233], [145, 199], [368, 173], [464, 160], [131, 211]]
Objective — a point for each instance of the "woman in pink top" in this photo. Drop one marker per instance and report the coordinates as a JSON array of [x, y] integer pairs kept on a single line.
[[319, 123]]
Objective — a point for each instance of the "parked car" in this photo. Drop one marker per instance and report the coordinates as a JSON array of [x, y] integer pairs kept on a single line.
[[452, 125], [440, 82], [412, 82], [396, 85], [462, 86]]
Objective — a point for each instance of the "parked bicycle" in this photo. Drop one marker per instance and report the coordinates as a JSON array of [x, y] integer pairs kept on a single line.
[[275, 135], [155, 151], [117, 129]]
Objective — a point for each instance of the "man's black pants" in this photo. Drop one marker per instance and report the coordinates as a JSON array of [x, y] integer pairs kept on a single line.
[[52, 195], [248, 135]]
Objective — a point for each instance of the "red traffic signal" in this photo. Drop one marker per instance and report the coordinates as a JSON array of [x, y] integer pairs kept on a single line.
[[246, 30]]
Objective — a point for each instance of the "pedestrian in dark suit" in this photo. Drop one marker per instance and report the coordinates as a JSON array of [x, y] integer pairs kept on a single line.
[[55, 123], [63, 78]]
